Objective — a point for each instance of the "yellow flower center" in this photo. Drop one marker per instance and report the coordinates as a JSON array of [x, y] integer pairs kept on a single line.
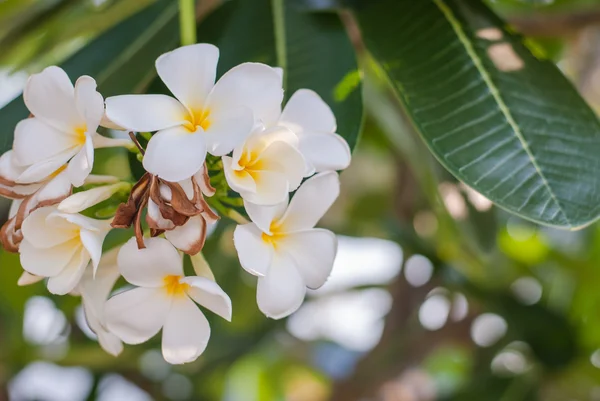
[[276, 234], [173, 286], [80, 135], [197, 118], [250, 164]]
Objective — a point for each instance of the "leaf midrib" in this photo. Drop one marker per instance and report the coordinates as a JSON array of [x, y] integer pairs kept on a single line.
[[462, 36]]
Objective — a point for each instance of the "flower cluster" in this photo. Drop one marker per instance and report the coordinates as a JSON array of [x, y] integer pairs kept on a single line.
[[210, 140]]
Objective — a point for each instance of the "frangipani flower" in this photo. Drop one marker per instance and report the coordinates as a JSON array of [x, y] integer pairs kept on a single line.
[[61, 133], [204, 117], [60, 246], [164, 298], [94, 290], [283, 248], [309, 117], [265, 168]]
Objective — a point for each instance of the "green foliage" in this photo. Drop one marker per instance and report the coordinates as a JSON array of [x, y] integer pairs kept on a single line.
[[502, 121]]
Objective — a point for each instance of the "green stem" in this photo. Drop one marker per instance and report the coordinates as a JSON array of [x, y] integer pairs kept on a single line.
[[280, 37], [187, 21]]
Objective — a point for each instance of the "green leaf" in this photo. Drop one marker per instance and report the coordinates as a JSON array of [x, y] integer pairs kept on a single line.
[[313, 48], [121, 60], [504, 122]]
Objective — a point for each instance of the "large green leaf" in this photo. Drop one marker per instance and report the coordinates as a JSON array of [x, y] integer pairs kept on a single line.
[[503, 121], [121, 60], [314, 49]]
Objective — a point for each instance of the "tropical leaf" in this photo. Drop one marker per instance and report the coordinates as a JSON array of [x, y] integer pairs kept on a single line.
[[506, 123], [121, 60]]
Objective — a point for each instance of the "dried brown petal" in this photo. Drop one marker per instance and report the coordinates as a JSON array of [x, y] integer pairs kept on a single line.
[[6, 236], [126, 212]]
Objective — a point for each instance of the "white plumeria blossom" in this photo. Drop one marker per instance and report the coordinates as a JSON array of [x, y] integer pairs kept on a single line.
[[205, 116], [62, 130], [309, 117], [283, 248], [94, 291], [266, 167], [60, 246], [164, 298]]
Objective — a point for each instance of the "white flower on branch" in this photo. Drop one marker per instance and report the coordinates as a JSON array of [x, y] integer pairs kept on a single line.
[[266, 167], [164, 298], [283, 248], [60, 246], [61, 133], [205, 116]]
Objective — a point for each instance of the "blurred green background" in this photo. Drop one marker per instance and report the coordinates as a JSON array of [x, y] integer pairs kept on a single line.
[[435, 295]]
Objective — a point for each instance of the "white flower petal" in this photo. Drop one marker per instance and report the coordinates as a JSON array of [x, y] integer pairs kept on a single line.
[[44, 169], [312, 200], [281, 292], [253, 85], [255, 254], [271, 188], [264, 216], [36, 141], [89, 103], [79, 220], [239, 180], [210, 295], [314, 252], [175, 154], [190, 237], [101, 141], [228, 129], [50, 96], [9, 170], [69, 278], [325, 152], [96, 289], [145, 113], [148, 267], [137, 315], [28, 279], [56, 189], [306, 111], [43, 235], [81, 165], [282, 155], [48, 262], [189, 72], [83, 200], [92, 241], [185, 333]]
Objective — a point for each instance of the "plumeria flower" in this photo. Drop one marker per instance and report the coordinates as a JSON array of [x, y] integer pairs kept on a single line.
[[266, 167], [204, 116], [164, 298], [60, 246], [282, 247], [94, 291], [62, 132], [309, 117]]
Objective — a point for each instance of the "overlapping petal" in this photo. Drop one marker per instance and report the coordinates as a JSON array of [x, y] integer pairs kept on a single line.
[[175, 154], [145, 113], [138, 314], [185, 333], [282, 291], [210, 295], [189, 72], [148, 267], [254, 253]]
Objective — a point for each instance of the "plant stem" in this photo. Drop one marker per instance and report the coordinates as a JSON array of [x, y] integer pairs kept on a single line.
[[187, 21], [280, 36]]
